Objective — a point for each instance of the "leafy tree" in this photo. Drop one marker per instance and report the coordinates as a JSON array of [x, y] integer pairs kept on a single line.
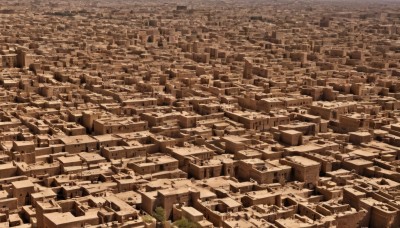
[[147, 219], [185, 223], [159, 214]]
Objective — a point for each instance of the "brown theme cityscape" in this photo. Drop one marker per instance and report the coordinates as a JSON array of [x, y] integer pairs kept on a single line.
[[200, 113]]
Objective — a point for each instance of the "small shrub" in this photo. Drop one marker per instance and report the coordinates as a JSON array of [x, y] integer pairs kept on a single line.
[[159, 214]]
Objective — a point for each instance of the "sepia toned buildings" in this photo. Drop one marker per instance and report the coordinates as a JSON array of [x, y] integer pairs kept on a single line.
[[199, 113]]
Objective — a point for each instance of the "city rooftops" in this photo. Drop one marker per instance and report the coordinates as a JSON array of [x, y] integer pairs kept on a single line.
[[79, 139], [303, 161], [22, 184]]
